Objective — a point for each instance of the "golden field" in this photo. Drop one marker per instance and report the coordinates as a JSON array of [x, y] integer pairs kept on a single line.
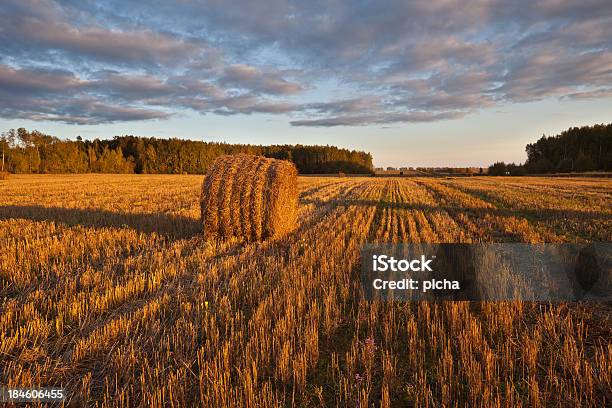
[[108, 288]]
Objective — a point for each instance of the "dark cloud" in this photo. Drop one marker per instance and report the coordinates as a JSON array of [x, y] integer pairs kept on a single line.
[[84, 111], [74, 110], [105, 97], [59, 95], [394, 61]]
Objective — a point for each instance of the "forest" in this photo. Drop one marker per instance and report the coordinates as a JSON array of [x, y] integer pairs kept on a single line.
[[24, 151], [577, 149]]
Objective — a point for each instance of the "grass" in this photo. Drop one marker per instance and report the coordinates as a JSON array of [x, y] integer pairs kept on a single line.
[[108, 288]]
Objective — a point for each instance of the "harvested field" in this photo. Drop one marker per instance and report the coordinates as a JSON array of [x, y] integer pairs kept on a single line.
[[109, 288]]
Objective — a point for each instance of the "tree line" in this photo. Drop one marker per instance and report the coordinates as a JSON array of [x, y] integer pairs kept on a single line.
[[577, 149], [26, 151]]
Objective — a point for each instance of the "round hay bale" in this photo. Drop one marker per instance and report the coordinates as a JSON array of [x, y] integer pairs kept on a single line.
[[248, 196]]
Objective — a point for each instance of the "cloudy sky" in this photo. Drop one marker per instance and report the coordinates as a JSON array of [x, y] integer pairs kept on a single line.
[[414, 82]]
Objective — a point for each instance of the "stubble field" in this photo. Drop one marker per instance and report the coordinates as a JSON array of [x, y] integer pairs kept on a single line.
[[108, 288]]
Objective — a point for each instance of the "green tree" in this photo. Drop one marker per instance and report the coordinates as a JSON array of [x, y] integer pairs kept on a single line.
[[64, 157], [112, 161]]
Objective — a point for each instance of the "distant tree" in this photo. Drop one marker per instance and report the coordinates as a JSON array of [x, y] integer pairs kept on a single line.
[[21, 154], [112, 161], [584, 163], [64, 157], [565, 165], [497, 169], [594, 143], [543, 165], [515, 170], [5, 150], [149, 160], [31, 152]]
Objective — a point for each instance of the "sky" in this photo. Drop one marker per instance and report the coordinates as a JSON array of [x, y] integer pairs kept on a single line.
[[420, 83]]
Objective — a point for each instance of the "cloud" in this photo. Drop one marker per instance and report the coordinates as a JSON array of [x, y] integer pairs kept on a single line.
[[368, 111], [60, 95], [378, 119], [130, 87], [316, 63], [598, 93], [28, 30], [84, 111], [79, 111], [344, 106], [252, 78], [107, 97], [552, 74], [36, 81]]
